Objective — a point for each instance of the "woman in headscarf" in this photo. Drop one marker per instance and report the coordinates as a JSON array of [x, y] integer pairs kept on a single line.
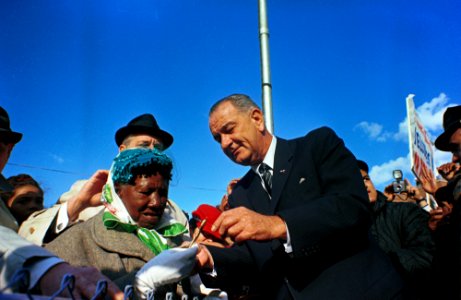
[[138, 221]]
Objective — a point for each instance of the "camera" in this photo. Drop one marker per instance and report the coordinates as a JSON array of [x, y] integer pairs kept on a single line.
[[399, 185]]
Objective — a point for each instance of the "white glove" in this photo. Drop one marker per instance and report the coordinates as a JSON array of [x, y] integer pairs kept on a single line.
[[169, 266]]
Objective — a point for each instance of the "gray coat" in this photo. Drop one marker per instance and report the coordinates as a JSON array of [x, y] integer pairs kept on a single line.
[[118, 255]]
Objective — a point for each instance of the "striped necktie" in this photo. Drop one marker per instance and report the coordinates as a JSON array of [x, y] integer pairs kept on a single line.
[[266, 175]]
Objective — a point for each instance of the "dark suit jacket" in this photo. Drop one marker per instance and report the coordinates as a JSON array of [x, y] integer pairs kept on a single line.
[[317, 189]]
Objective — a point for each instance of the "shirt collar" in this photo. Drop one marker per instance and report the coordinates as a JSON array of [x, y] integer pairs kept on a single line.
[[269, 158]]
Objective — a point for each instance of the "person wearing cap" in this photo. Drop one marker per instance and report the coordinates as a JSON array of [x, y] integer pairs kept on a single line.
[[45, 269], [448, 235], [82, 201], [401, 231], [8, 139], [137, 223]]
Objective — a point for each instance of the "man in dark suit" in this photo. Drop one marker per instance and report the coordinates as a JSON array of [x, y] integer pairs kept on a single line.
[[300, 216]]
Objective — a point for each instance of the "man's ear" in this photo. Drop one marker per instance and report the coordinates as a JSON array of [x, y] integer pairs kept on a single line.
[[257, 117], [121, 147]]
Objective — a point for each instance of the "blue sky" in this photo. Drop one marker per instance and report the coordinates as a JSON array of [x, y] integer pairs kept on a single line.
[[73, 72]]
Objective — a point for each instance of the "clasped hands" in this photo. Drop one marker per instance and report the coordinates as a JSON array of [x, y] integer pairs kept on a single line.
[[172, 265]]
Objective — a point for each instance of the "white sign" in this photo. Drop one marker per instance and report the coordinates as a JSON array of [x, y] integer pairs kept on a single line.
[[421, 153]]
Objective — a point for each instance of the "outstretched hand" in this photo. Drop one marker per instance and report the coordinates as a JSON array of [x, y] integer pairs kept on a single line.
[[428, 182], [89, 195], [242, 224]]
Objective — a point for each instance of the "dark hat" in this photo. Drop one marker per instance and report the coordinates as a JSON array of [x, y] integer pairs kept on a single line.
[[6, 134], [451, 122], [144, 124]]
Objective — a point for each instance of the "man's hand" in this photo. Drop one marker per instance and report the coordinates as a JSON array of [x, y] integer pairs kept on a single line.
[[428, 182], [204, 260], [438, 215], [86, 279], [448, 170], [88, 196], [242, 224]]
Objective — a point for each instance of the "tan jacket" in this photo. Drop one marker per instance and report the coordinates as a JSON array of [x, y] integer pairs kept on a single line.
[[118, 255], [40, 222]]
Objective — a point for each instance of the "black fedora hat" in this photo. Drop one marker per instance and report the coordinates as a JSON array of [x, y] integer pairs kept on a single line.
[[144, 124], [6, 134], [451, 122]]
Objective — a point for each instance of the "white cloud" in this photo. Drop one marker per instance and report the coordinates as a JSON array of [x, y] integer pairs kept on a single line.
[[430, 114], [57, 158], [373, 130], [381, 175], [402, 134]]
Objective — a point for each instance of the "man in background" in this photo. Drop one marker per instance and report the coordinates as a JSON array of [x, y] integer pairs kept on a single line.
[[401, 230], [83, 200]]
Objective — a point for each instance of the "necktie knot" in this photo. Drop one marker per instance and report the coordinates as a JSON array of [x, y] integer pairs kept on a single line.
[[266, 175]]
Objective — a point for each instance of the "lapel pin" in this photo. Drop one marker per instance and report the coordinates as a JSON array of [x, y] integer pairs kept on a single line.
[[301, 180]]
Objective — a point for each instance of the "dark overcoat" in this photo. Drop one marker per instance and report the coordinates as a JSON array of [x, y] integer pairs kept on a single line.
[[319, 193]]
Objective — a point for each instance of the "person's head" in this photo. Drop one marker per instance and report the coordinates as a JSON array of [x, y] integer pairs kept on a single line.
[[8, 138], [143, 132], [372, 193], [450, 139], [237, 124], [141, 180], [26, 198]]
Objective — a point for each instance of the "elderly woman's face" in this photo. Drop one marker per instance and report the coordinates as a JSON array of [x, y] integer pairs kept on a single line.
[[145, 201]]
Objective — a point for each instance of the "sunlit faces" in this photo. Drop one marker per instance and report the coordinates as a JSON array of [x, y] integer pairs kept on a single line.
[[25, 200], [141, 141], [372, 193], [145, 201], [240, 134]]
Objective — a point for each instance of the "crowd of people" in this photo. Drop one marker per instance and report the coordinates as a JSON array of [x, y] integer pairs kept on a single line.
[[305, 221]]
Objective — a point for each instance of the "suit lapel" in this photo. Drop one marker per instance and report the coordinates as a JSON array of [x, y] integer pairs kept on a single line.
[[282, 166], [258, 196]]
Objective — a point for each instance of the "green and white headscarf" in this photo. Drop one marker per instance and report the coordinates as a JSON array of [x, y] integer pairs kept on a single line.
[[115, 214]]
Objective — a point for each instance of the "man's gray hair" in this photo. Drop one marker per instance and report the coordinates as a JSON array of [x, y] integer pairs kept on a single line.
[[241, 102]]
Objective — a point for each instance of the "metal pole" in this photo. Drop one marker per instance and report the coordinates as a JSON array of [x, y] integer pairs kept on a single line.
[[265, 67]]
